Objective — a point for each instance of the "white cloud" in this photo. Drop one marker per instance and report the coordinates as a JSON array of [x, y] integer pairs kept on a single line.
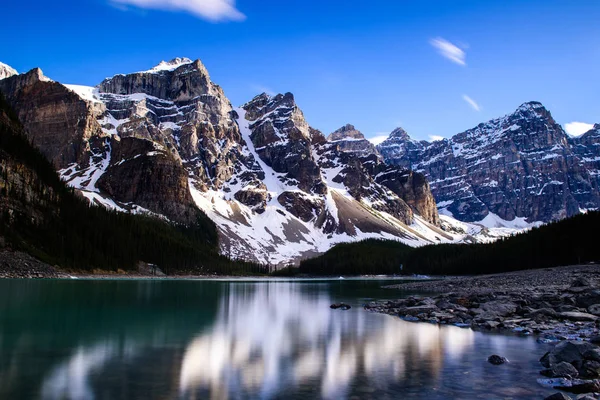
[[212, 10], [262, 89], [577, 128], [435, 138], [449, 50], [378, 138], [471, 102]]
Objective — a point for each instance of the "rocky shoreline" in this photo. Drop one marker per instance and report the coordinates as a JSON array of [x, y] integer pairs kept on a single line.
[[555, 304], [558, 305]]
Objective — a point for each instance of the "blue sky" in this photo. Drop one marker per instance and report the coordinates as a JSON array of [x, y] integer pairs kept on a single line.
[[435, 68]]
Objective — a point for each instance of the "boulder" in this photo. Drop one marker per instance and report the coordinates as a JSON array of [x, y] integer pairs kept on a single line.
[[564, 370], [567, 351], [580, 386], [590, 369]]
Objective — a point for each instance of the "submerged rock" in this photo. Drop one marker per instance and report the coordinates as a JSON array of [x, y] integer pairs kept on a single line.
[[558, 396], [497, 360], [341, 306]]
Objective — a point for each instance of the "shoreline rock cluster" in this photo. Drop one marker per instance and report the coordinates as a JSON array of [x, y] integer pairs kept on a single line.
[[563, 310], [572, 367]]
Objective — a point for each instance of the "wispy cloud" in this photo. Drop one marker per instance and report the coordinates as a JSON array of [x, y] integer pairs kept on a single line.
[[212, 10], [378, 138], [262, 89], [471, 102], [449, 50], [435, 138], [577, 128]]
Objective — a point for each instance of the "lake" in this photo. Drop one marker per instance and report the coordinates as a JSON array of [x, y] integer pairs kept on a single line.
[[240, 339]]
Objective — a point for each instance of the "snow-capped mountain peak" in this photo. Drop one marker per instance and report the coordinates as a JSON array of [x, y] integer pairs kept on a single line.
[[6, 71], [521, 165], [170, 65]]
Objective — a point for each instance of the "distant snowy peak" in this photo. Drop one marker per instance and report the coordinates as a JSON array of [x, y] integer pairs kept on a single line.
[[521, 165], [399, 133], [7, 71], [170, 65]]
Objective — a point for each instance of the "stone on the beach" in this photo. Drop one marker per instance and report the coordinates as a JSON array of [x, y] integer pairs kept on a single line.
[[497, 360], [558, 396], [499, 308], [579, 386], [567, 351], [416, 310], [588, 298], [577, 316], [595, 339], [548, 312], [581, 282], [592, 354], [564, 370], [594, 309], [590, 369], [585, 397], [491, 324]]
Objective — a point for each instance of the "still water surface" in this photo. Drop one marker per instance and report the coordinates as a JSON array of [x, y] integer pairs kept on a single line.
[[142, 339]]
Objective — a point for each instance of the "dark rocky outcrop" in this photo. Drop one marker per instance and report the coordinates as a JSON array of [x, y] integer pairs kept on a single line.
[[155, 179], [282, 139], [350, 140], [56, 120], [520, 165]]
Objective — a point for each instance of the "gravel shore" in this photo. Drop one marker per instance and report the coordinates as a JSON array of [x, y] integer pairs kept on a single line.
[[16, 264]]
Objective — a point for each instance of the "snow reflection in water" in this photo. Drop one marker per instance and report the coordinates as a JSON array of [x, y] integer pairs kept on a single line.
[[275, 336]]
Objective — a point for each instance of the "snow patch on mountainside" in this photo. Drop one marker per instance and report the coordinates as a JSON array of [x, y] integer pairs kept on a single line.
[[169, 65], [277, 237], [7, 71], [88, 93]]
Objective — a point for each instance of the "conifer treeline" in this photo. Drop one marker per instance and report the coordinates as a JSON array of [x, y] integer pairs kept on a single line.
[[569, 241], [55, 224]]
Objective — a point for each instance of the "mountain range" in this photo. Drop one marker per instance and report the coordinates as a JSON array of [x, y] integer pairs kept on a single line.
[[167, 142]]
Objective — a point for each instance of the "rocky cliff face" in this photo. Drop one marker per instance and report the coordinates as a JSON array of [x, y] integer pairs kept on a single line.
[[167, 140], [518, 166], [23, 194], [57, 120], [587, 149], [78, 135]]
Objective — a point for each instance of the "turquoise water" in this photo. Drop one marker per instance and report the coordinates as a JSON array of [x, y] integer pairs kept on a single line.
[[164, 339]]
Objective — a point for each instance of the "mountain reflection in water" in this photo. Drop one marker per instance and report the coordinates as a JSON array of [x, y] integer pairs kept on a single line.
[[272, 337], [241, 340]]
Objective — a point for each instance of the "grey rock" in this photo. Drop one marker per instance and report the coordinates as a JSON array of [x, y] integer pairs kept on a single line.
[[564, 370], [567, 351], [577, 316]]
